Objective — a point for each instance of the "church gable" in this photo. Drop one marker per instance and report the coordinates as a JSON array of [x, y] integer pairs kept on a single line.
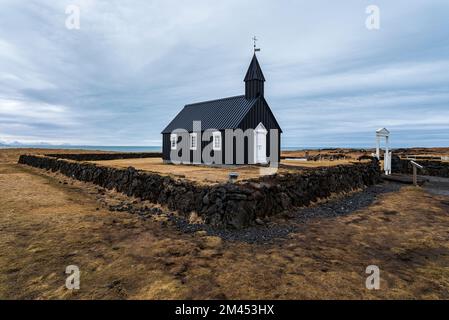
[[260, 112]]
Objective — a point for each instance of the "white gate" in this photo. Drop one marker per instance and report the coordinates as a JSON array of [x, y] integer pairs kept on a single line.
[[384, 133]]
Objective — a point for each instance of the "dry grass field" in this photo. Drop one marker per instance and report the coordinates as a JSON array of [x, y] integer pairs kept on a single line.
[[201, 174], [355, 153], [315, 164], [208, 175], [48, 221]]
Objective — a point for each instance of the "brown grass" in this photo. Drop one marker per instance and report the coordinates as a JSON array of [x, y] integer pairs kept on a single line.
[[46, 225], [198, 173], [355, 153], [12, 155], [316, 164], [211, 175], [350, 153]]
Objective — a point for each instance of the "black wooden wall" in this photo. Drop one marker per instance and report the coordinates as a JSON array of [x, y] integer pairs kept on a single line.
[[260, 112]]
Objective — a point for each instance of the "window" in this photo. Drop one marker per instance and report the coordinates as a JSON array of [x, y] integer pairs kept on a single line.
[[173, 141], [217, 140], [193, 141]]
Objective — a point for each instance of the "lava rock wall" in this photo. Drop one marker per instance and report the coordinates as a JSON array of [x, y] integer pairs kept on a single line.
[[229, 205], [105, 156]]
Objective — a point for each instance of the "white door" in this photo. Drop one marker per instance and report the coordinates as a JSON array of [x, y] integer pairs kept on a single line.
[[260, 144]]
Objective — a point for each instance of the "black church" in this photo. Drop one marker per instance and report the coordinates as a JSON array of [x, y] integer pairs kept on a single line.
[[220, 122]]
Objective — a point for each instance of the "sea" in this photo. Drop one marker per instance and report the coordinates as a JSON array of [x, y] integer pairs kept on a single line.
[[93, 148], [118, 148]]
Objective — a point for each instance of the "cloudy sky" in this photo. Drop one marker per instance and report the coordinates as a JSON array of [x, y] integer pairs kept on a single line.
[[132, 65]]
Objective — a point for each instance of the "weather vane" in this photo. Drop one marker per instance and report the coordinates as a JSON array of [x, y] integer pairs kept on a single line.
[[255, 49]]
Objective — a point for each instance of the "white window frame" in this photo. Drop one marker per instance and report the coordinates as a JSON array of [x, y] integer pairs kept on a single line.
[[216, 138], [173, 138], [193, 146]]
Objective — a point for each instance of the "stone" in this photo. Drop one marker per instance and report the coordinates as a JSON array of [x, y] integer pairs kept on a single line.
[[284, 201], [236, 196], [236, 216]]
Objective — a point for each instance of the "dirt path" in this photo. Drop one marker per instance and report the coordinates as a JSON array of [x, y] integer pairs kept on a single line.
[[46, 225]]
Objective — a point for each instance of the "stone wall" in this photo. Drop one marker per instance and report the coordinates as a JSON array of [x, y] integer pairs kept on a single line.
[[105, 156], [224, 205], [431, 168]]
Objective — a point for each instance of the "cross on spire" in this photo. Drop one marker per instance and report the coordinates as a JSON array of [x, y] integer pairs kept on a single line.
[[255, 49]]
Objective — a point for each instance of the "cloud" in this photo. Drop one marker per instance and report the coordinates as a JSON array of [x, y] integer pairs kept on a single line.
[[131, 67]]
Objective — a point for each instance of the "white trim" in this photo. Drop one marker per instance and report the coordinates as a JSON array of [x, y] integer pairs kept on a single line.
[[261, 128], [193, 146], [173, 138], [260, 143], [382, 132], [216, 138]]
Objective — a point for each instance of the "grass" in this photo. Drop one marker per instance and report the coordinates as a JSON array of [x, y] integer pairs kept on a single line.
[[198, 173], [211, 175]]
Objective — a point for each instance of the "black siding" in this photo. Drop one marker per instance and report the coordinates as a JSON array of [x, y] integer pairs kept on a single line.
[[260, 112], [166, 146], [254, 89]]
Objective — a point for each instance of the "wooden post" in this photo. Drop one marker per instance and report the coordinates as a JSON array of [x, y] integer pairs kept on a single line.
[[416, 166], [415, 178]]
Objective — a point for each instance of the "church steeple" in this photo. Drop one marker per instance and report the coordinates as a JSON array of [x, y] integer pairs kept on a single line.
[[254, 80]]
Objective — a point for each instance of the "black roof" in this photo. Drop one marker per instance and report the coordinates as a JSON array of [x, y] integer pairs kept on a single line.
[[254, 71], [226, 113]]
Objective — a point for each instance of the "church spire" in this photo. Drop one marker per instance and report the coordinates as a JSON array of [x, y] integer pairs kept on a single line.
[[254, 80], [254, 71]]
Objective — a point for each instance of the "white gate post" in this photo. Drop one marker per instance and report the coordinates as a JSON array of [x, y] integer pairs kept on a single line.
[[387, 163], [378, 147], [384, 133]]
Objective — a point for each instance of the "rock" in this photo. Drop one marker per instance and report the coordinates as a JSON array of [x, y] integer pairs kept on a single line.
[[285, 201], [259, 221], [236, 196], [237, 215], [288, 214]]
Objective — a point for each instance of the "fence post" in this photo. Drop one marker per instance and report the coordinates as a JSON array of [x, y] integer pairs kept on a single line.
[[416, 166]]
